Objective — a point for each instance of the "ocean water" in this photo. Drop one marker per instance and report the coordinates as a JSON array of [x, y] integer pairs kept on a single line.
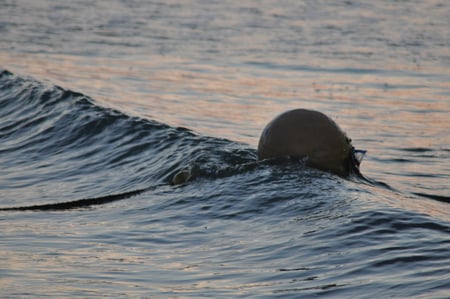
[[102, 103]]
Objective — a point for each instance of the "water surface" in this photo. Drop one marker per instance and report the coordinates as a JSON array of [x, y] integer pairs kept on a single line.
[[116, 96]]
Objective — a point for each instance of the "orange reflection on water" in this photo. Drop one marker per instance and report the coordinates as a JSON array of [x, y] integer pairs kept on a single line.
[[231, 102], [218, 101]]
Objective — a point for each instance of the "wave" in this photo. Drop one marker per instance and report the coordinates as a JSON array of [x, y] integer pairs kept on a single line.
[[61, 141], [57, 145]]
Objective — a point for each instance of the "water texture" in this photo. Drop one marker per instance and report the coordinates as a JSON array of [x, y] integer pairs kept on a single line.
[[102, 103]]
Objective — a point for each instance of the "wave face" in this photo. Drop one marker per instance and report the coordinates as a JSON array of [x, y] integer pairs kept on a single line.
[[58, 140], [237, 229]]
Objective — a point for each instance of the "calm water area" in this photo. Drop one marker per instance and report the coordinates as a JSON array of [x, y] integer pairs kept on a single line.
[[108, 97]]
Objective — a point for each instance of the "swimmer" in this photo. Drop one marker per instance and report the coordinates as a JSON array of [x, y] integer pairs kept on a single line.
[[313, 137]]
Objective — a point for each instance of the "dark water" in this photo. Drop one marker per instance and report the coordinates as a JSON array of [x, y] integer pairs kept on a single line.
[[115, 97]]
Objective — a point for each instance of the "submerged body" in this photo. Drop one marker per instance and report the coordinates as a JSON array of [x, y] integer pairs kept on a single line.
[[312, 136], [300, 134]]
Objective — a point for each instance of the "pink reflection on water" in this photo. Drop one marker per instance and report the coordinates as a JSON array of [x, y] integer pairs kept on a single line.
[[236, 103]]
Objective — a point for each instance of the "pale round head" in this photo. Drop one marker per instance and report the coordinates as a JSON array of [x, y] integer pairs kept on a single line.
[[307, 134]]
